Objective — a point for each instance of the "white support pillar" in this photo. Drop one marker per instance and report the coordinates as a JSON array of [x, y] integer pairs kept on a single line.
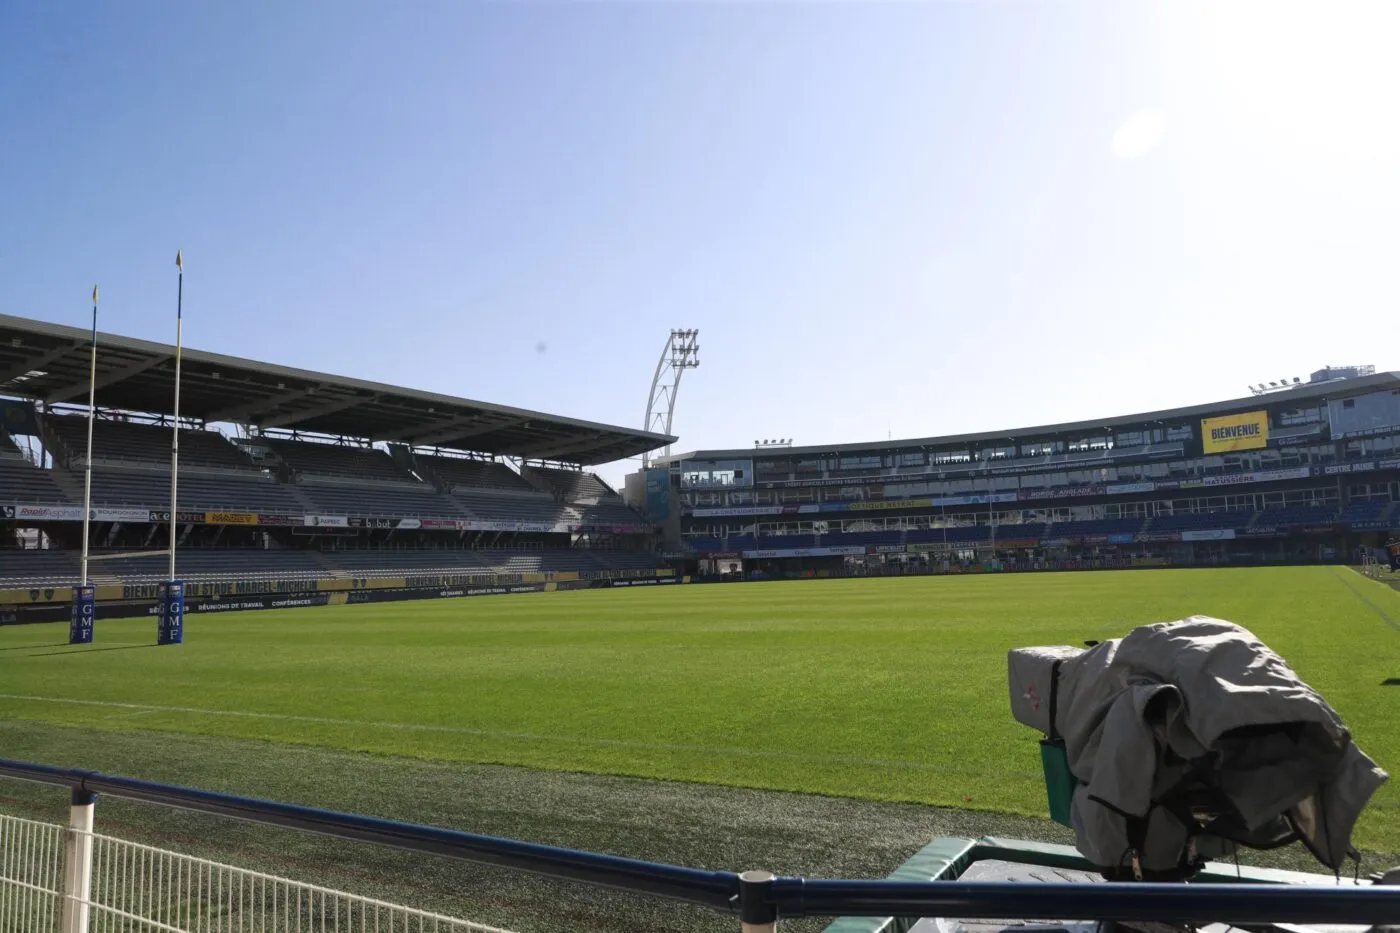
[[77, 867]]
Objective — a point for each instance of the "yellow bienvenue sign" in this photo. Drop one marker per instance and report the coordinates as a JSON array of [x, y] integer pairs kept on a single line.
[[1247, 431]]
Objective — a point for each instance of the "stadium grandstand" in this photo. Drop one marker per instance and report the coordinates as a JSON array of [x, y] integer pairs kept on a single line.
[[286, 474], [1300, 472]]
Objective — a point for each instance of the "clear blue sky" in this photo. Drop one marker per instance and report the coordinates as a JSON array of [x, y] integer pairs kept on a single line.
[[915, 218]]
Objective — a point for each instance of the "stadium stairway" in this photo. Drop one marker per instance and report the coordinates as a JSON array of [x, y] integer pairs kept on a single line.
[[302, 498], [71, 484]]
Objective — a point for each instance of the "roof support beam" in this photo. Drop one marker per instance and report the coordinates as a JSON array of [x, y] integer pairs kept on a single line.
[[27, 366], [243, 412], [462, 428], [319, 411], [78, 389]]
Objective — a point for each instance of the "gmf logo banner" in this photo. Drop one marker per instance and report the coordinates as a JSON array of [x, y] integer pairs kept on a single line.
[[1247, 431]]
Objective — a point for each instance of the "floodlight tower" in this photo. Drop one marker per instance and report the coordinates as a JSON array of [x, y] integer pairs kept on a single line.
[[680, 353]]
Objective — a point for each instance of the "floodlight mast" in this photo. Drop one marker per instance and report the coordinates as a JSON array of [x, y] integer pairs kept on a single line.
[[680, 353]]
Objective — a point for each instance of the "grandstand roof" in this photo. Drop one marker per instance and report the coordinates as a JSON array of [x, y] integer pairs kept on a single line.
[[49, 363], [1291, 397]]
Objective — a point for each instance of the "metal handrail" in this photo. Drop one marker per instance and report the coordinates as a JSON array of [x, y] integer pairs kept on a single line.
[[760, 897]]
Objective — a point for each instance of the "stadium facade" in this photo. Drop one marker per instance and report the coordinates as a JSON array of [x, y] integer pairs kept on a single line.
[[1307, 472], [292, 475]]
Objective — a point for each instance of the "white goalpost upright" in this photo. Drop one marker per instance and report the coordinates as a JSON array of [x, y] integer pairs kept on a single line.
[[170, 630], [80, 626]]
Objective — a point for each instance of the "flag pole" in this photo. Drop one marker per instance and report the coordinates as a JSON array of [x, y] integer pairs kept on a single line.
[[92, 413], [175, 436]]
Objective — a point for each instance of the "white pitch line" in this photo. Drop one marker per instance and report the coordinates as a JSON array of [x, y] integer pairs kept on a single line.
[[525, 736]]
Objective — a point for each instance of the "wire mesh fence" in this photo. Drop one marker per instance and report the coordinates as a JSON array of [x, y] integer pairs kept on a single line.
[[136, 888], [31, 875]]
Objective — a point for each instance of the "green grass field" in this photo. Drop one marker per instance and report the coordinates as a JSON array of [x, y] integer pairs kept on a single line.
[[891, 689]]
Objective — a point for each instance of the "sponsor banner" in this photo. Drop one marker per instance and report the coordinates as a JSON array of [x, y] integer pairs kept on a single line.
[[1389, 465], [377, 596], [473, 525], [1247, 431], [181, 516], [327, 521], [1258, 531], [1364, 466], [1015, 543], [226, 588], [888, 549], [149, 592], [7, 511], [265, 519], [973, 500], [1064, 492], [1121, 538], [737, 511], [238, 604], [1316, 529], [1093, 539], [1125, 489], [869, 506], [1215, 534], [842, 550], [1235, 479], [374, 523], [1373, 524], [1158, 536], [230, 518], [48, 513], [409, 524], [441, 524], [121, 515]]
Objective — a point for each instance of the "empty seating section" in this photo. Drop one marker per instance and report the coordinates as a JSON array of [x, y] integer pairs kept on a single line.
[[771, 542], [21, 481], [1201, 521], [60, 568], [1098, 526], [373, 500], [488, 561], [607, 512], [572, 485], [251, 492], [36, 567], [864, 537], [1366, 510], [205, 565], [1297, 515], [454, 472], [515, 507], [143, 444], [337, 462]]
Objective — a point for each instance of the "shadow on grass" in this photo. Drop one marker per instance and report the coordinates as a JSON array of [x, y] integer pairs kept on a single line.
[[82, 649], [57, 644], [1391, 682]]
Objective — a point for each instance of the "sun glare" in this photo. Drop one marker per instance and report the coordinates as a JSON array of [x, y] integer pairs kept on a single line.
[[1324, 75]]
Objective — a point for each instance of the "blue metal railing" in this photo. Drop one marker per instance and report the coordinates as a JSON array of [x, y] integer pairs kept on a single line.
[[761, 898]]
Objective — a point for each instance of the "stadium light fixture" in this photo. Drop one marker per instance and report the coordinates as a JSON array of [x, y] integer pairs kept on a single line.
[[680, 353]]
